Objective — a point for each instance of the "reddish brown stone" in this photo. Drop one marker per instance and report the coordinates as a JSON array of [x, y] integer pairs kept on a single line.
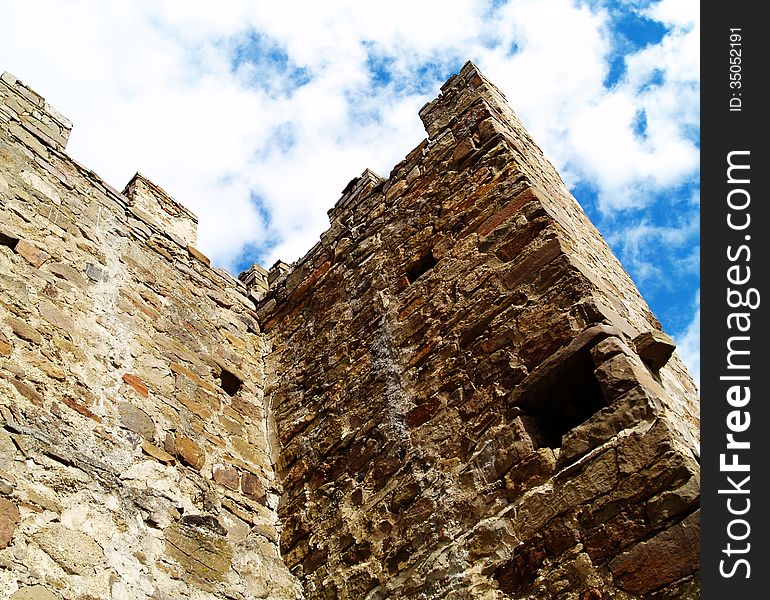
[[422, 413], [529, 266], [33, 255], [505, 213], [226, 476], [190, 452], [136, 383], [463, 149], [80, 408], [252, 487], [510, 250], [9, 519]]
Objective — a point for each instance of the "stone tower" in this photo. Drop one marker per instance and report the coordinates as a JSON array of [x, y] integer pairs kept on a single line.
[[457, 393]]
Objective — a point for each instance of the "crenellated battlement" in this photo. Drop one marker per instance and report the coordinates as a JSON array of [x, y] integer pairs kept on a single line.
[[157, 206]]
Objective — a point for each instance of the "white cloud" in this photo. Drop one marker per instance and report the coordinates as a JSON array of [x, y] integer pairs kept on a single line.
[[659, 254], [150, 86]]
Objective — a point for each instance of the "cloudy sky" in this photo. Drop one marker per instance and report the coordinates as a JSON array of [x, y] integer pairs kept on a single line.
[[256, 114]]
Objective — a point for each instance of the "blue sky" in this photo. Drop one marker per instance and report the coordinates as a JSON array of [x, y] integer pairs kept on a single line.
[[256, 115]]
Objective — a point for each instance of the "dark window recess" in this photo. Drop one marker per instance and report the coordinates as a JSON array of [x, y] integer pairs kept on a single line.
[[230, 382], [567, 397], [7, 240], [422, 266]]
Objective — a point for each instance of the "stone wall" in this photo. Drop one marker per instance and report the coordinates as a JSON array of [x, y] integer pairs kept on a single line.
[[457, 393], [133, 454], [468, 396]]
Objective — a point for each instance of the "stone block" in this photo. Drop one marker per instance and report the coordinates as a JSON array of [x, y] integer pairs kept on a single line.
[[9, 519], [136, 383], [670, 555], [6, 347], [157, 453], [74, 551], [201, 552], [655, 348], [135, 419], [190, 453], [31, 254], [24, 331], [198, 255], [34, 592]]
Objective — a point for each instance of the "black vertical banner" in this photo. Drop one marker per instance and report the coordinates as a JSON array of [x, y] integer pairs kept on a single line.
[[735, 424]]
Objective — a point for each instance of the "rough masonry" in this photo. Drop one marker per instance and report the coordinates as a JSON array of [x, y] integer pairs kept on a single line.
[[457, 393]]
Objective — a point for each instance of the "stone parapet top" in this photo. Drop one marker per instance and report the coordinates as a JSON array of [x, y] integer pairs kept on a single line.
[[459, 92], [159, 206], [167, 202], [356, 190], [21, 103]]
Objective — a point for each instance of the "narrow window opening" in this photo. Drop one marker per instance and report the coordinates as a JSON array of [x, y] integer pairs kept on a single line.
[[422, 266], [230, 382], [568, 397]]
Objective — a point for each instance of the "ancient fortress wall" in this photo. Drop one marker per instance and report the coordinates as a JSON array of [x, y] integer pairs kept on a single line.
[[460, 408], [133, 455], [457, 393]]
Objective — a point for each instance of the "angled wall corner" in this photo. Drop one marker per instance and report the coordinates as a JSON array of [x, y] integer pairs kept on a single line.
[[458, 400]]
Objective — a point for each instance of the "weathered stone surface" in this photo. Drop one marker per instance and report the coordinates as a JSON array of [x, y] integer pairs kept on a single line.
[[32, 255], [74, 551], [106, 351], [190, 452], [655, 347], [136, 420], [9, 519], [35, 592], [201, 552], [670, 555], [454, 387]]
